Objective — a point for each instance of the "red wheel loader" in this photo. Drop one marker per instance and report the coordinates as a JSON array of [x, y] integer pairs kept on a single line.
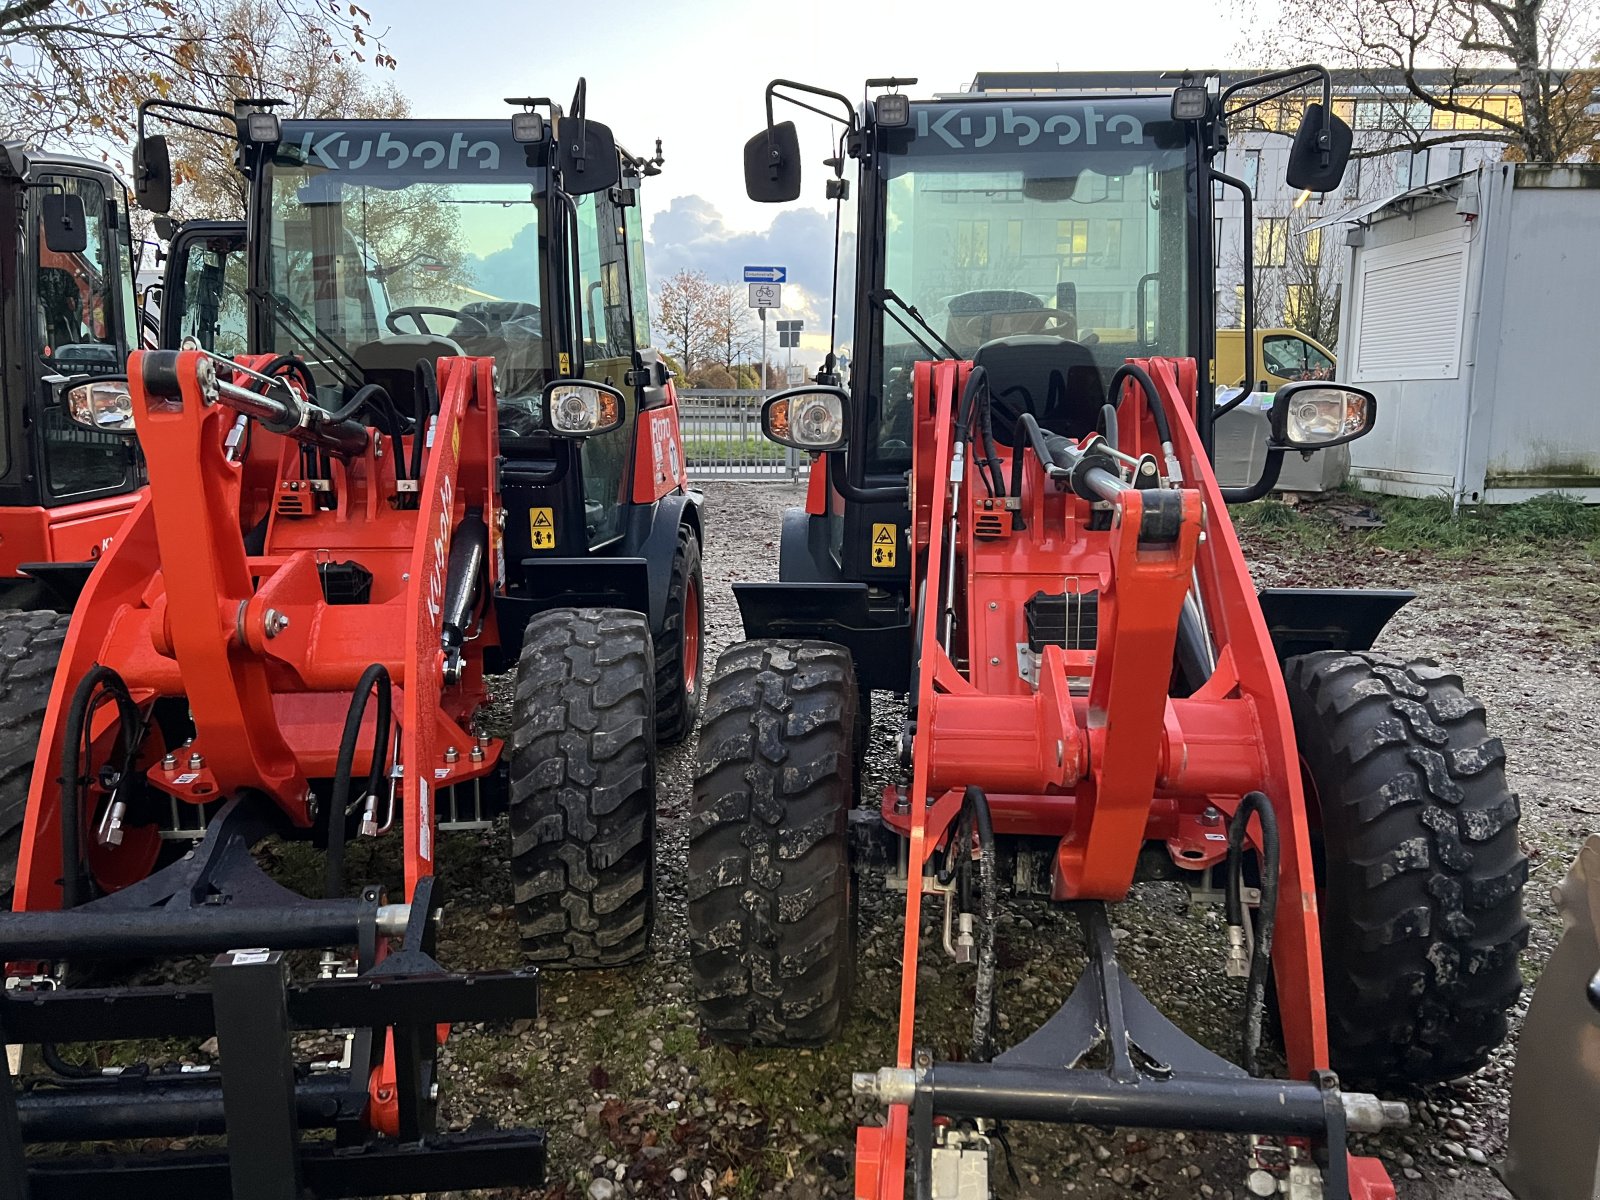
[[289, 639], [66, 313], [1013, 522]]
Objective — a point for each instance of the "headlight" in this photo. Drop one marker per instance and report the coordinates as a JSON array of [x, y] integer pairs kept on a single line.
[[807, 418], [104, 405], [1312, 415], [580, 409]]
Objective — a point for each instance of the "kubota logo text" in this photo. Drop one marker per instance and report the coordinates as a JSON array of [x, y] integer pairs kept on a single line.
[[338, 151], [963, 128]]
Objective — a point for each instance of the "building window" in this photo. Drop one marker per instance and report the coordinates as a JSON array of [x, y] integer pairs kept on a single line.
[[1252, 169], [1455, 161], [1014, 241], [1352, 179], [1072, 243], [1272, 241], [1238, 304], [1216, 242], [1313, 239], [1419, 167]]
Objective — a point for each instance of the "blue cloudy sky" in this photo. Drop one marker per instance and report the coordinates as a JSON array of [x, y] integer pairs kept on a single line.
[[693, 73]]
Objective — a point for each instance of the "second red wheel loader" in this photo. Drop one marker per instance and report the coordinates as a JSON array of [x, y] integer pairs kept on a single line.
[[1013, 521]]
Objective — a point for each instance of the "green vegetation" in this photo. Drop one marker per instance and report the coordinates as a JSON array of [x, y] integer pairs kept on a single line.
[[752, 448], [1429, 525]]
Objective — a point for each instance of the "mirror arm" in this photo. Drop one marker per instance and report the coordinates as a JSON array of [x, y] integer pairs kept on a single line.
[[850, 112], [838, 480], [1270, 470]]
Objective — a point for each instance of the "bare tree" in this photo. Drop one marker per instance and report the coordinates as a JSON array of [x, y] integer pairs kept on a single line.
[[79, 68], [685, 312], [1296, 273], [1437, 56], [733, 327]]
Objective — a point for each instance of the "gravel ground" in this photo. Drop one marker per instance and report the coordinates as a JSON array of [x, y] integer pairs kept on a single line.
[[638, 1103]]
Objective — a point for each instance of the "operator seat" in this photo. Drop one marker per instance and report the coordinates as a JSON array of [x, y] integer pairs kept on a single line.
[[984, 316], [391, 363], [1057, 381]]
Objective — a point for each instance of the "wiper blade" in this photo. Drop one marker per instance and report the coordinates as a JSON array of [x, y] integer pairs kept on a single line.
[[284, 314], [881, 298]]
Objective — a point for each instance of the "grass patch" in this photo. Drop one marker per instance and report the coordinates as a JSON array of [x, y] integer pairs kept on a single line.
[[1427, 524]]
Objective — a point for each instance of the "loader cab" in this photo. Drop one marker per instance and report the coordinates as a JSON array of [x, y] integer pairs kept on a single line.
[[382, 243], [1050, 237], [67, 310], [205, 290]]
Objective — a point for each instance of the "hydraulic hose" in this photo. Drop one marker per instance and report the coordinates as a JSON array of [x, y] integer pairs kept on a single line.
[[374, 678], [1266, 915], [1108, 419], [427, 385], [1151, 398], [74, 876]]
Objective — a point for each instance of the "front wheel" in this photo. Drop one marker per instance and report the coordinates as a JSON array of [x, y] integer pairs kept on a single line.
[[582, 788], [771, 911], [30, 647], [1422, 874]]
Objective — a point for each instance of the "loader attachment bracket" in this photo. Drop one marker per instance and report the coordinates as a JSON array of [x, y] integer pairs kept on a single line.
[[1152, 1075]]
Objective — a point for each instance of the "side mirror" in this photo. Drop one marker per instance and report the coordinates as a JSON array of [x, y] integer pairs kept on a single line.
[[66, 229], [1307, 172], [578, 408], [808, 418], [1310, 415], [588, 164], [152, 174], [102, 404], [772, 164]]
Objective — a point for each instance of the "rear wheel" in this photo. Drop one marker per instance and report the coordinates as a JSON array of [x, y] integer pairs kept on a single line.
[[771, 913], [582, 788], [30, 647], [1422, 874], [680, 648]]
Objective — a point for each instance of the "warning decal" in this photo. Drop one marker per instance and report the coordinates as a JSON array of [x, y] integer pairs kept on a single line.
[[544, 528], [883, 545]]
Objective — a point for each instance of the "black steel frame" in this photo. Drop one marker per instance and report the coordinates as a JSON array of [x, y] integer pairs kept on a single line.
[[258, 1097]]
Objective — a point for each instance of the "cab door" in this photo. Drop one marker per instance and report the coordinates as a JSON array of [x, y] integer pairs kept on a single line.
[[605, 319], [204, 294], [83, 324]]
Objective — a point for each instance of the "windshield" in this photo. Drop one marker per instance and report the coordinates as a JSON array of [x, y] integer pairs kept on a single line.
[[1055, 218], [385, 230]]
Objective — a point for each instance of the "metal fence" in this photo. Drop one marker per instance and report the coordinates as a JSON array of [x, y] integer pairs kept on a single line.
[[722, 438]]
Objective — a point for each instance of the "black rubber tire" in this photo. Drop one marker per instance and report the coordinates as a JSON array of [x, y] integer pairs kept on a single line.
[[677, 702], [1421, 871], [771, 907], [582, 788], [30, 647]]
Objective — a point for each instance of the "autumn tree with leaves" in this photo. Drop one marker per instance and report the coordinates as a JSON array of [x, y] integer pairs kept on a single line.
[[74, 71], [684, 308], [261, 51]]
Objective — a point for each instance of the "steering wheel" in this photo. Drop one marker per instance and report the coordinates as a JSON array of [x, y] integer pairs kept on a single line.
[[418, 311]]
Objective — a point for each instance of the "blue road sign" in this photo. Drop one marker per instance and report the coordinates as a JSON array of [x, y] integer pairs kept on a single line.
[[766, 274]]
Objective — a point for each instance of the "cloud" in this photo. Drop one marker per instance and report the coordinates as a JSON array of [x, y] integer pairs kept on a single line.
[[690, 235]]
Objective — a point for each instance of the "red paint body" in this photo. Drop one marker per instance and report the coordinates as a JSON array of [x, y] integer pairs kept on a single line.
[[1098, 755], [177, 608], [77, 532], [658, 467]]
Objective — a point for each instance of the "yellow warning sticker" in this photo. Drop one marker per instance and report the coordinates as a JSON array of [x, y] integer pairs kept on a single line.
[[544, 528], [563, 364], [883, 545]]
